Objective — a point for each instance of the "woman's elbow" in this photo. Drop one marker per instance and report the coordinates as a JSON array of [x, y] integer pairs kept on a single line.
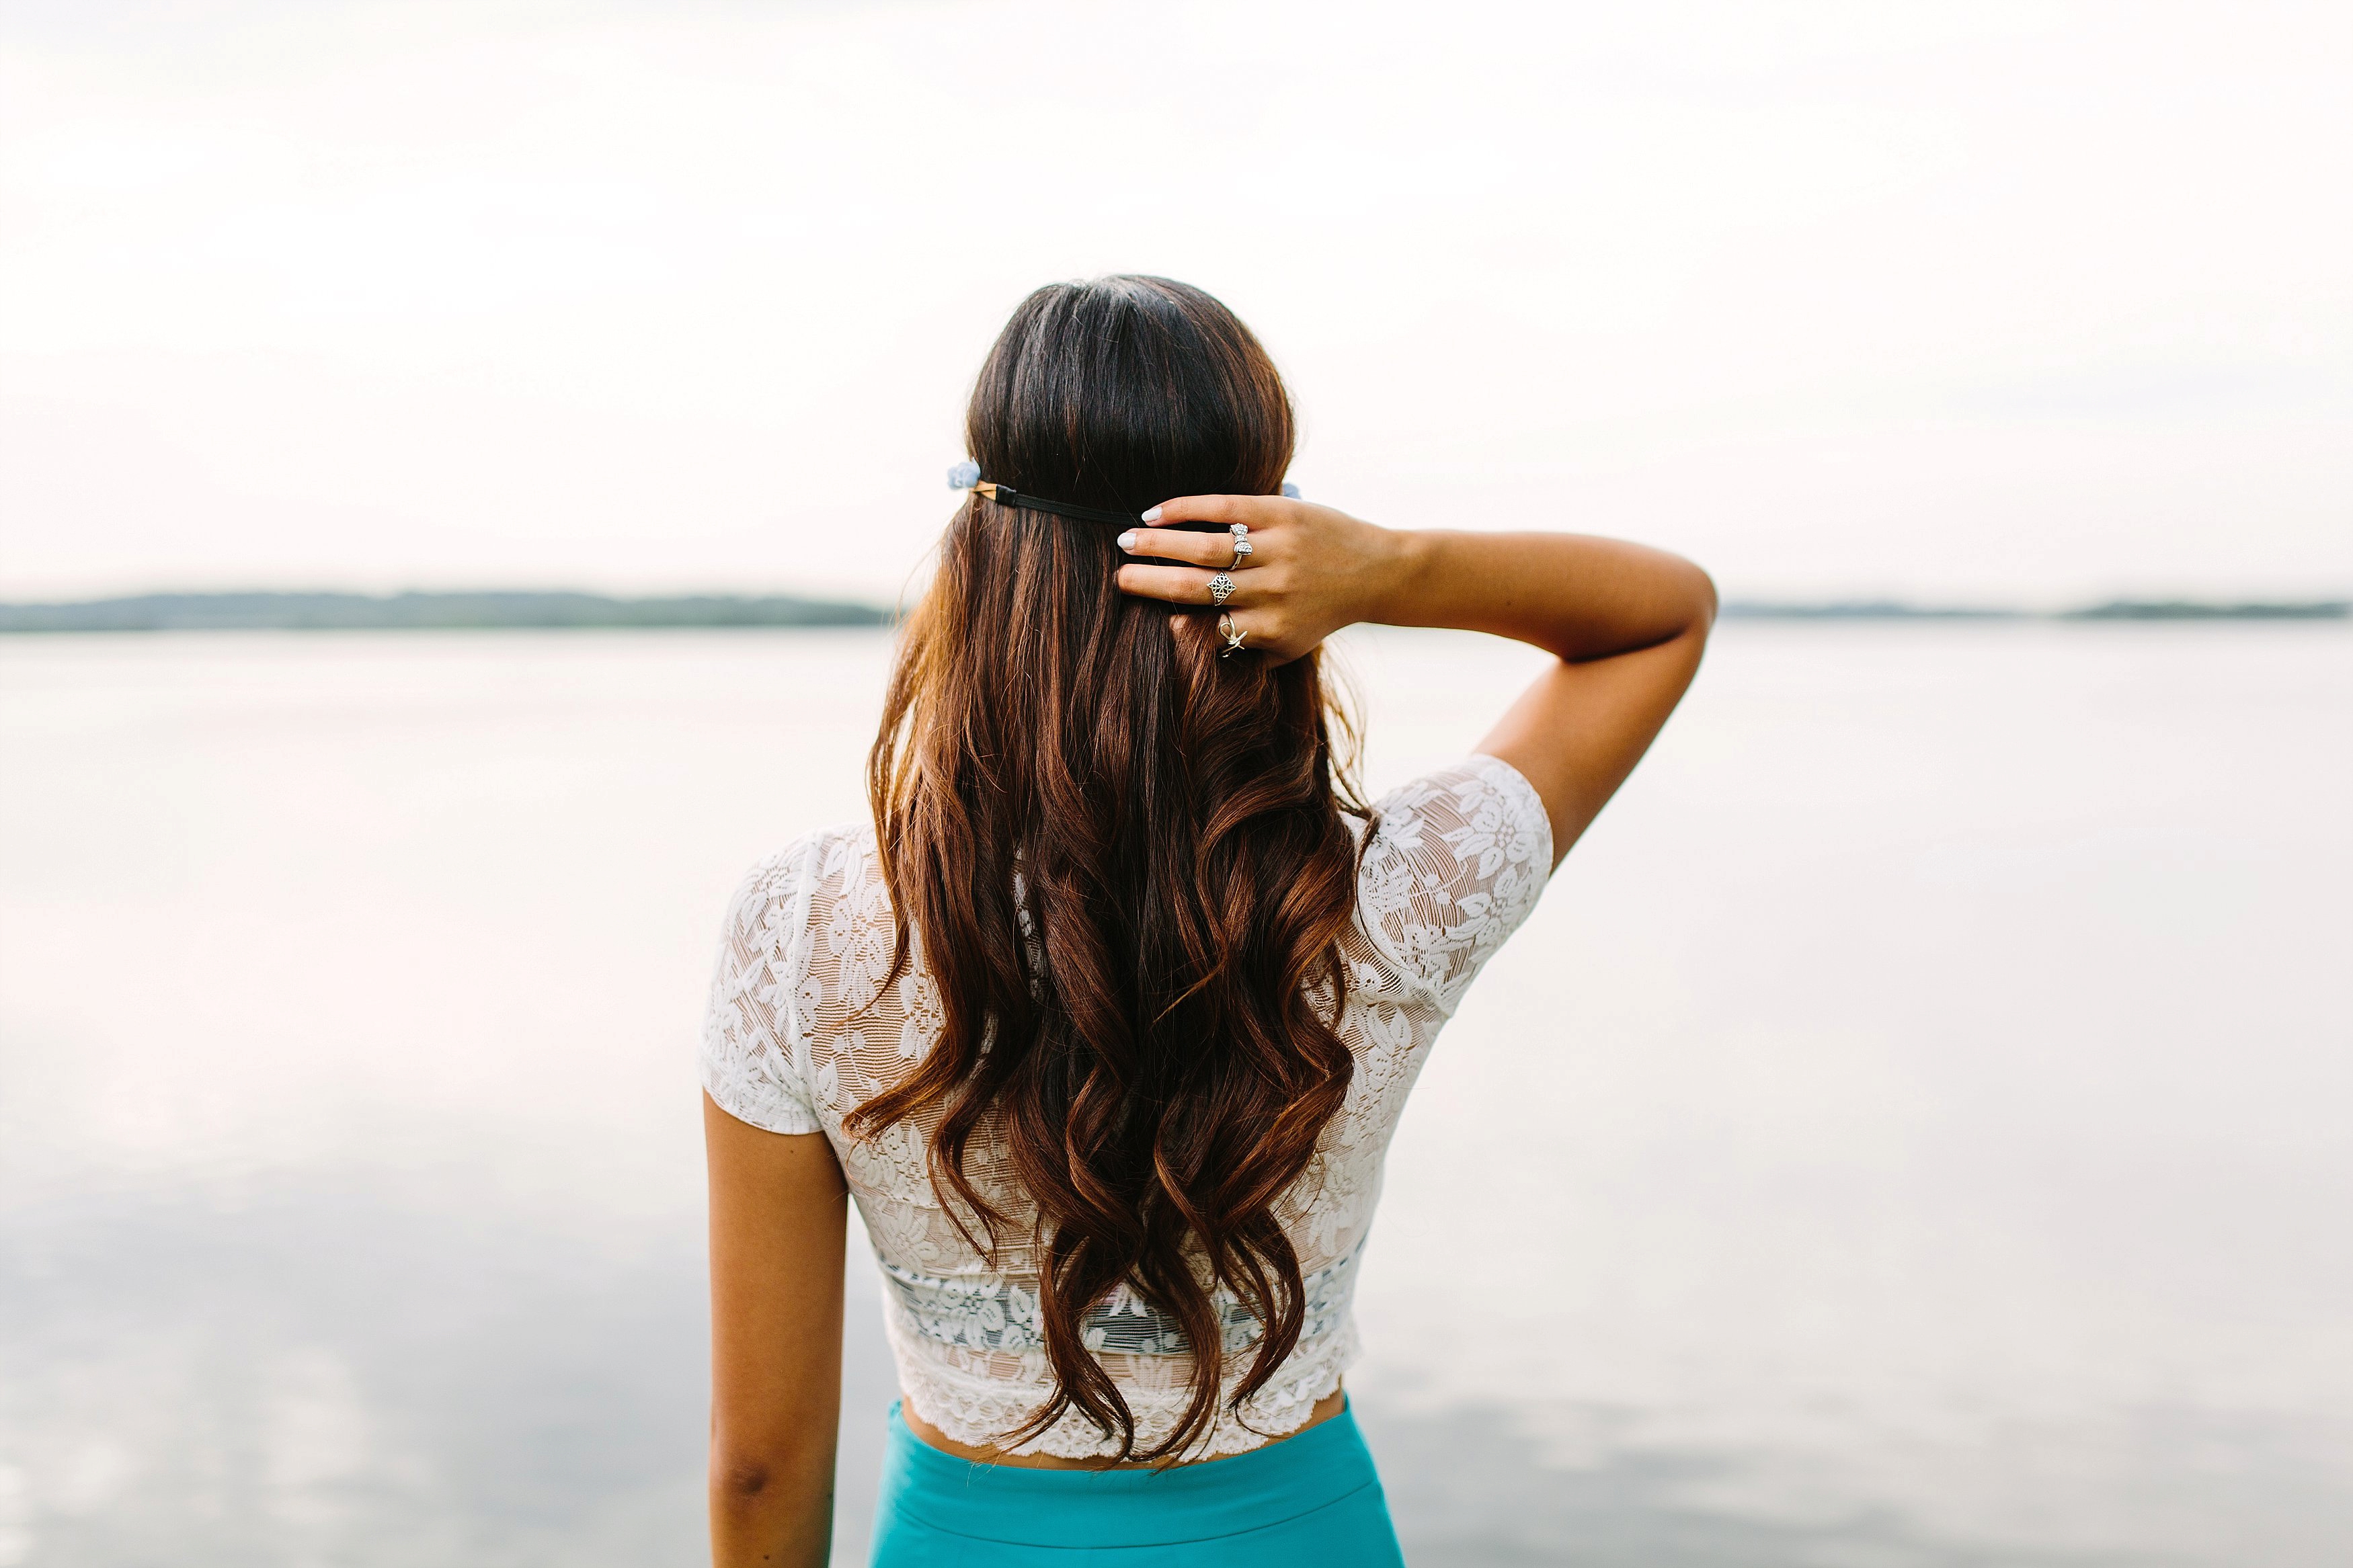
[[741, 1482], [758, 1478], [773, 1509], [1698, 590]]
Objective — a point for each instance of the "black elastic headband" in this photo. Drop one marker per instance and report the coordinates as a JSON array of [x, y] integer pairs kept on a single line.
[[966, 476], [1003, 496]]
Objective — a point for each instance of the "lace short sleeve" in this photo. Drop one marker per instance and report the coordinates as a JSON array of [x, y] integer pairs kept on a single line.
[[754, 1055], [1452, 868]]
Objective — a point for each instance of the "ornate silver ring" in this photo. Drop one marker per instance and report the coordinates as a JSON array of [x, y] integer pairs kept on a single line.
[[1241, 545], [1222, 588], [1231, 633]]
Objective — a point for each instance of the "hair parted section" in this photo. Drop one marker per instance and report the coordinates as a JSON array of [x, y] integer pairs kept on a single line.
[[1156, 1052]]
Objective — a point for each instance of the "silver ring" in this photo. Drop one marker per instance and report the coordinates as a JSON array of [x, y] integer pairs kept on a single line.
[[1241, 545], [1222, 588], [1230, 632]]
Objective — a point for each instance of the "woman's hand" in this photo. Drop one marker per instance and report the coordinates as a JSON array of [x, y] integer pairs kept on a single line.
[[1311, 570]]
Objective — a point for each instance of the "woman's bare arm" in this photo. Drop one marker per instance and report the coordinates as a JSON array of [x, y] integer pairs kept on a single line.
[[778, 1216], [1626, 623]]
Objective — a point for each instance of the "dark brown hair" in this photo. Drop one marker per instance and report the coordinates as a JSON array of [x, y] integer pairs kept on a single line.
[[1156, 1054]]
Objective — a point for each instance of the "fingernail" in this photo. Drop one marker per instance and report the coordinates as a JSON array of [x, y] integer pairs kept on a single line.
[[1152, 516], [1127, 540]]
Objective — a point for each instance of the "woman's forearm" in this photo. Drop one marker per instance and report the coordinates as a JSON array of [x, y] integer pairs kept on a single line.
[[1574, 595], [1313, 570]]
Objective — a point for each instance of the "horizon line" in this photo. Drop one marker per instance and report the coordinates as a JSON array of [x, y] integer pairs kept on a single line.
[[267, 609]]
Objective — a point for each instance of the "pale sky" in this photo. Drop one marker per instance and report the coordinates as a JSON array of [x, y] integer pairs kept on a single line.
[[1968, 301]]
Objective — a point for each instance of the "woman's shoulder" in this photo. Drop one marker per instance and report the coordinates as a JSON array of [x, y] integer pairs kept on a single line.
[[754, 1059], [824, 864], [1453, 861], [1478, 786]]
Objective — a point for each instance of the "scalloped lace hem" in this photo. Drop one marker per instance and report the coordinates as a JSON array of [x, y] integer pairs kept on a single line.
[[982, 1415]]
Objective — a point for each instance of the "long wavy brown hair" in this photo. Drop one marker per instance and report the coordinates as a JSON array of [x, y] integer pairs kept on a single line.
[[1146, 1027]]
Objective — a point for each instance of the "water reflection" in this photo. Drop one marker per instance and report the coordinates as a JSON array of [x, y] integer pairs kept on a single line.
[[325, 1374], [1909, 1135]]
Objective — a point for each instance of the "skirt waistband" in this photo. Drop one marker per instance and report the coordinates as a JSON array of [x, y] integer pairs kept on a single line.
[[1130, 1507]]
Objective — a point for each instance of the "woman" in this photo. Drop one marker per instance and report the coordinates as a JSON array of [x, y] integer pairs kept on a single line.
[[1106, 1017]]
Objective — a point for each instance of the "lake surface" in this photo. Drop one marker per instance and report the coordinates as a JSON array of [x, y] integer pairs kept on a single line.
[[1912, 1129]]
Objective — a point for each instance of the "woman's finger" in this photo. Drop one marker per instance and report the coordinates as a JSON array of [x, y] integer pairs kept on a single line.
[[1256, 511], [1179, 584], [1180, 544]]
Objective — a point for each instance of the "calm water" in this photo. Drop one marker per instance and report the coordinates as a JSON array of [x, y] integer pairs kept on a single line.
[[1912, 1129]]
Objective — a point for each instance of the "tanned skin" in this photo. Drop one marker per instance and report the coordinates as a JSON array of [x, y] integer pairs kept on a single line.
[[778, 1213]]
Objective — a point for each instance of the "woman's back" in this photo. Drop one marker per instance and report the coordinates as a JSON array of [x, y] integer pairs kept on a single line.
[[806, 1022], [1106, 1021]]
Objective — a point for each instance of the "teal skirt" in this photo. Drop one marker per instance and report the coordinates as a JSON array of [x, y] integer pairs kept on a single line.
[[1312, 1498]]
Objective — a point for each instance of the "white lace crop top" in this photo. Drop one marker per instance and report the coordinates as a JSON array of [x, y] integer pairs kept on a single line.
[[797, 1037]]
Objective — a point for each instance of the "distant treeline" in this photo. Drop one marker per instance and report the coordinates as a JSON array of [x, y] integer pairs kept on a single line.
[[2115, 610], [479, 612], [426, 612]]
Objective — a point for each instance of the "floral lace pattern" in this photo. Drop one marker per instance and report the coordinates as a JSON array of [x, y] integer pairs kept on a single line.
[[801, 1029], [988, 1313]]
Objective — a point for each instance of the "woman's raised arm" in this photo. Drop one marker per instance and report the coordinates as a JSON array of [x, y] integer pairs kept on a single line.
[[1626, 623]]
